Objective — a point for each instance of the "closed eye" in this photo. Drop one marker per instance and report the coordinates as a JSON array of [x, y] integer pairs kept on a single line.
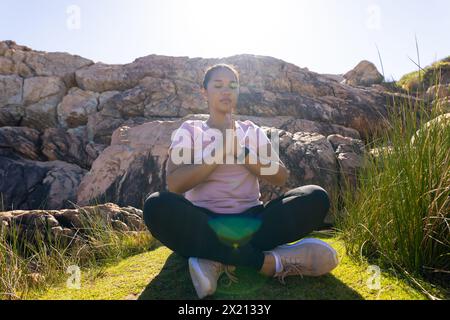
[[232, 86]]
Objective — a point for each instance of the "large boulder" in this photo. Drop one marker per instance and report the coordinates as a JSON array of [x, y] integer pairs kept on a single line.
[[6, 66], [41, 96], [11, 92], [28, 184], [76, 106], [153, 97], [131, 167], [364, 74], [71, 146], [349, 155], [310, 159], [102, 77], [22, 141]]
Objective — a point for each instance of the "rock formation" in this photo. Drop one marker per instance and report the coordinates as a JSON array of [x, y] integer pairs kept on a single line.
[[68, 226], [77, 132], [364, 74]]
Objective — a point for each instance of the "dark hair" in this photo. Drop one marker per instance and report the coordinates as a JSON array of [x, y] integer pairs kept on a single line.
[[210, 71]]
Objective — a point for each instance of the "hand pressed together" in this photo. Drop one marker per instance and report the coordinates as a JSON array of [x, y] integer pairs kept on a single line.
[[230, 146]]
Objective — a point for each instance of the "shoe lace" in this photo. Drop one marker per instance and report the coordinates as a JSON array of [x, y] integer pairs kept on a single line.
[[290, 267]]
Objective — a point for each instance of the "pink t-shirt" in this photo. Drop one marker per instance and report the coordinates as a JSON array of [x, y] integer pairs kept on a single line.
[[230, 188]]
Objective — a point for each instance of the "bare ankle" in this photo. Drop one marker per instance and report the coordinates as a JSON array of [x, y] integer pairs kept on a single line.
[[268, 268]]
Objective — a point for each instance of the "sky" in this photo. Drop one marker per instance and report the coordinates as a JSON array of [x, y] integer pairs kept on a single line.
[[325, 36]]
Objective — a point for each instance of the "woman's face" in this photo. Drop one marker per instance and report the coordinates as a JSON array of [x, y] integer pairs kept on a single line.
[[222, 91]]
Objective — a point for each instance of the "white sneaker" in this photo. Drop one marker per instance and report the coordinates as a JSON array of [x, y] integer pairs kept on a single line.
[[308, 257], [206, 273]]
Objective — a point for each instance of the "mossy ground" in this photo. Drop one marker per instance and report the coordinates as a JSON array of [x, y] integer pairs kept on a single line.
[[410, 81], [162, 274]]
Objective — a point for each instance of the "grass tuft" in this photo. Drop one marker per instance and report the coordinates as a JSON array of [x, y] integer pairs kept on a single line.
[[40, 260], [399, 213]]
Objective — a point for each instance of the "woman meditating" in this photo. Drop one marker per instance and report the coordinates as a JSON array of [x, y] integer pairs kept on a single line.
[[211, 213]]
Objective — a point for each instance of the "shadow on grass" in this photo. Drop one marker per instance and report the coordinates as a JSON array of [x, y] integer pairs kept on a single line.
[[174, 283]]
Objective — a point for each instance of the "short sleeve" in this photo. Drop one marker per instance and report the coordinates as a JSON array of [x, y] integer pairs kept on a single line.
[[262, 137], [182, 137], [255, 137]]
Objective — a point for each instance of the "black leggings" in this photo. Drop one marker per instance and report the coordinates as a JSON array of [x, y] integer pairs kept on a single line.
[[193, 231]]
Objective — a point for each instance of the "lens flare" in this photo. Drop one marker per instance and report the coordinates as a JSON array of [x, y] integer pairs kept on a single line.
[[235, 231]]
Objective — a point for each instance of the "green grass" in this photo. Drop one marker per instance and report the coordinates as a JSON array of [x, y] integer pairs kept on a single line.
[[399, 213], [162, 274], [28, 265], [424, 78]]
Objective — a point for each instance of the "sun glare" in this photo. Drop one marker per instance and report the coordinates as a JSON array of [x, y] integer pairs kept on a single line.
[[236, 26]]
